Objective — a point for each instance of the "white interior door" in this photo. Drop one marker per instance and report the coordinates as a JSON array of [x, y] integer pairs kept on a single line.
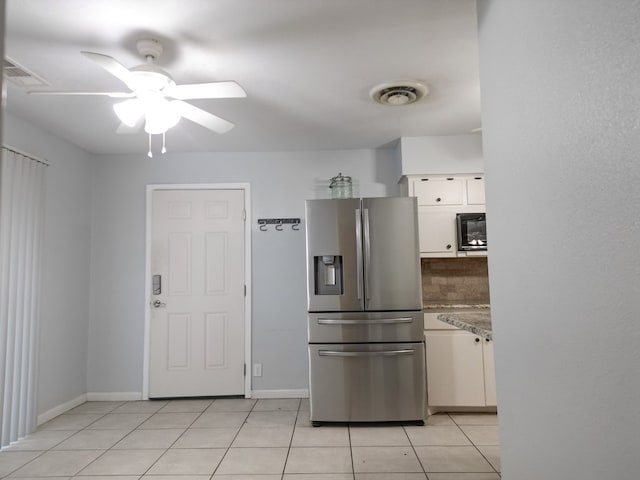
[[196, 330]]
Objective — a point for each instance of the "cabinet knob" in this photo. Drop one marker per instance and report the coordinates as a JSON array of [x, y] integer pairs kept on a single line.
[[438, 199], [449, 246], [477, 340], [487, 340]]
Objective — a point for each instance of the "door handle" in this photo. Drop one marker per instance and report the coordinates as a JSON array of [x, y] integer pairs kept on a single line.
[[158, 304], [367, 253], [359, 253], [380, 353], [363, 321]]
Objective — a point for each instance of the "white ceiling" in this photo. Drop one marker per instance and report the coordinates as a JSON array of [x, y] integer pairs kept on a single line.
[[307, 67]]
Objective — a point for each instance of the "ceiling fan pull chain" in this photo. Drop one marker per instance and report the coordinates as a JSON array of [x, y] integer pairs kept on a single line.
[[164, 149], [150, 155]]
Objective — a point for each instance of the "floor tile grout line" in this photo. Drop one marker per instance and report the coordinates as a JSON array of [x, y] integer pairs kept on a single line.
[[111, 448], [424, 470], [244, 422], [476, 447], [353, 464], [295, 424], [43, 452], [174, 442]]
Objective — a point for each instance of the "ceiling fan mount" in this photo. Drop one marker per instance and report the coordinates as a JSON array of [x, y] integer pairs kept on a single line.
[[150, 76], [149, 48]]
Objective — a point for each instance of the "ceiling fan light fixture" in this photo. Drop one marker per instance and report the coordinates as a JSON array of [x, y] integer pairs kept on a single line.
[[129, 112], [160, 116]]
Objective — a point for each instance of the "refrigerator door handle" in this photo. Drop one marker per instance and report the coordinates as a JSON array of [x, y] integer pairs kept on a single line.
[[363, 321], [359, 253], [380, 353], [367, 252]]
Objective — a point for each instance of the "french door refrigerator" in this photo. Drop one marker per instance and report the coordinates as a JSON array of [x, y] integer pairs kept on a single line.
[[365, 320]]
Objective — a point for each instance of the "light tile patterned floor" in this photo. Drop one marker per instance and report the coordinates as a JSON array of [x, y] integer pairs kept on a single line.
[[241, 439]]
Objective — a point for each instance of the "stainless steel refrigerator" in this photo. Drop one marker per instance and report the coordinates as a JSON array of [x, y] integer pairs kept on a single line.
[[365, 320]]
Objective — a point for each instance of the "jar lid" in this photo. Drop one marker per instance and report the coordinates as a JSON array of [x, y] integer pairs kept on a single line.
[[339, 179]]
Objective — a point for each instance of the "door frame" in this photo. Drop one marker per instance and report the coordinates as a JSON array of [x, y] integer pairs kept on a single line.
[[246, 188]]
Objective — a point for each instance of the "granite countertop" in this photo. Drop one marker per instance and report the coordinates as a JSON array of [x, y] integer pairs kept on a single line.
[[478, 323], [453, 306]]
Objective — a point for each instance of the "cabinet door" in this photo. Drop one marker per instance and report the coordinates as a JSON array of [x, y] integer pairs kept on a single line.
[[438, 191], [437, 232], [455, 375], [489, 375], [475, 191]]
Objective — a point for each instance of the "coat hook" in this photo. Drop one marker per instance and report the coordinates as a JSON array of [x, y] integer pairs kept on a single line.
[[295, 226], [263, 226], [279, 225]]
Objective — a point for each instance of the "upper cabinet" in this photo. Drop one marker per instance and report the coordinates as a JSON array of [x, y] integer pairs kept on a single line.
[[475, 190], [440, 198], [438, 191]]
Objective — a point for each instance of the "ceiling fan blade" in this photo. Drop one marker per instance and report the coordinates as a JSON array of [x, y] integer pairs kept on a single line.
[[199, 116], [112, 66], [205, 90], [64, 92]]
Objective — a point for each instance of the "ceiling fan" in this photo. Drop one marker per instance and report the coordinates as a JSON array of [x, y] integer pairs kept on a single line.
[[154, 99]]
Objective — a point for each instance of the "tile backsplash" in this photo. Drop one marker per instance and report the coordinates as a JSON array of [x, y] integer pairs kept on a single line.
[[455, 280]]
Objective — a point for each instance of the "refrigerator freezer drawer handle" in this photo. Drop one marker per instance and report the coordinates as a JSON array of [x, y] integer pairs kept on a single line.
[[381, 353], [375, 321]]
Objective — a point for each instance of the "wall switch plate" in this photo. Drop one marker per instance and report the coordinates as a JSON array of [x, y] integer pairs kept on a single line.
[[257, 369]]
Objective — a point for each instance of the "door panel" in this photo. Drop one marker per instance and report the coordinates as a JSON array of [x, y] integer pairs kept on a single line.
[[331, 231], [489, 375], [197, 331], [455, 372], [392, 259]]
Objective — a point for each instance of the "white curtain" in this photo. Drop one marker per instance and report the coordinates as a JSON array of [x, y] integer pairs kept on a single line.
[[22, 182]]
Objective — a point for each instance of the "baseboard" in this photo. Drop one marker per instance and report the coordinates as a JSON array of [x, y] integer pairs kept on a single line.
[[303, 393], [60, 409], [113, 396]]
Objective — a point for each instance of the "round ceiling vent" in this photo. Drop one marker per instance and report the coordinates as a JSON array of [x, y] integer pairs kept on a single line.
[[399, 93]]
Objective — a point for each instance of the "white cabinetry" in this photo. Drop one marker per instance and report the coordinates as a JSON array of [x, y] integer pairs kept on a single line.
[[439, 198], [475, 190], [460, 367], [437, 232], [437, 191]]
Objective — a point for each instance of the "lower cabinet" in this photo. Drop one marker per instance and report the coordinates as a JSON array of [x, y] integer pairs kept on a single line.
[[489, 374], [460, 369]]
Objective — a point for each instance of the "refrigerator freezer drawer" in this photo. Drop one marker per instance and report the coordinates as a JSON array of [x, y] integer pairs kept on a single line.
[[366, 327], [367, 382]]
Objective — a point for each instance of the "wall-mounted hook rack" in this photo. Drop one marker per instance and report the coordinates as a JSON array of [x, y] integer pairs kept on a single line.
[[279, 223]]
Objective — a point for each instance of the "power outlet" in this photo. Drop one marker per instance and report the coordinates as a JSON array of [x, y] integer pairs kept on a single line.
[[257, 369]]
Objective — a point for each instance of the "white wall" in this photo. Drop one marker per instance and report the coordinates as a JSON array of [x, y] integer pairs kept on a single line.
[[561, 130], [442, 154], [65, 271], [280, 183]]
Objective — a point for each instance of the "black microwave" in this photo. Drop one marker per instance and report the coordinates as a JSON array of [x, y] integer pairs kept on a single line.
[[472, 231]]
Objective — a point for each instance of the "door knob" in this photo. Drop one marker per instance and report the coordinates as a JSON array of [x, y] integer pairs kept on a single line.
[[158, 304]]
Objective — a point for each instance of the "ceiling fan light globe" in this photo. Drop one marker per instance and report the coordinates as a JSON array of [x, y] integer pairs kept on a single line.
[[159, 120], [129, 111]]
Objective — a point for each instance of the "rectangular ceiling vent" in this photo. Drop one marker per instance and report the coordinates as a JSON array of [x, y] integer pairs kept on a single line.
[[20, 76]]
